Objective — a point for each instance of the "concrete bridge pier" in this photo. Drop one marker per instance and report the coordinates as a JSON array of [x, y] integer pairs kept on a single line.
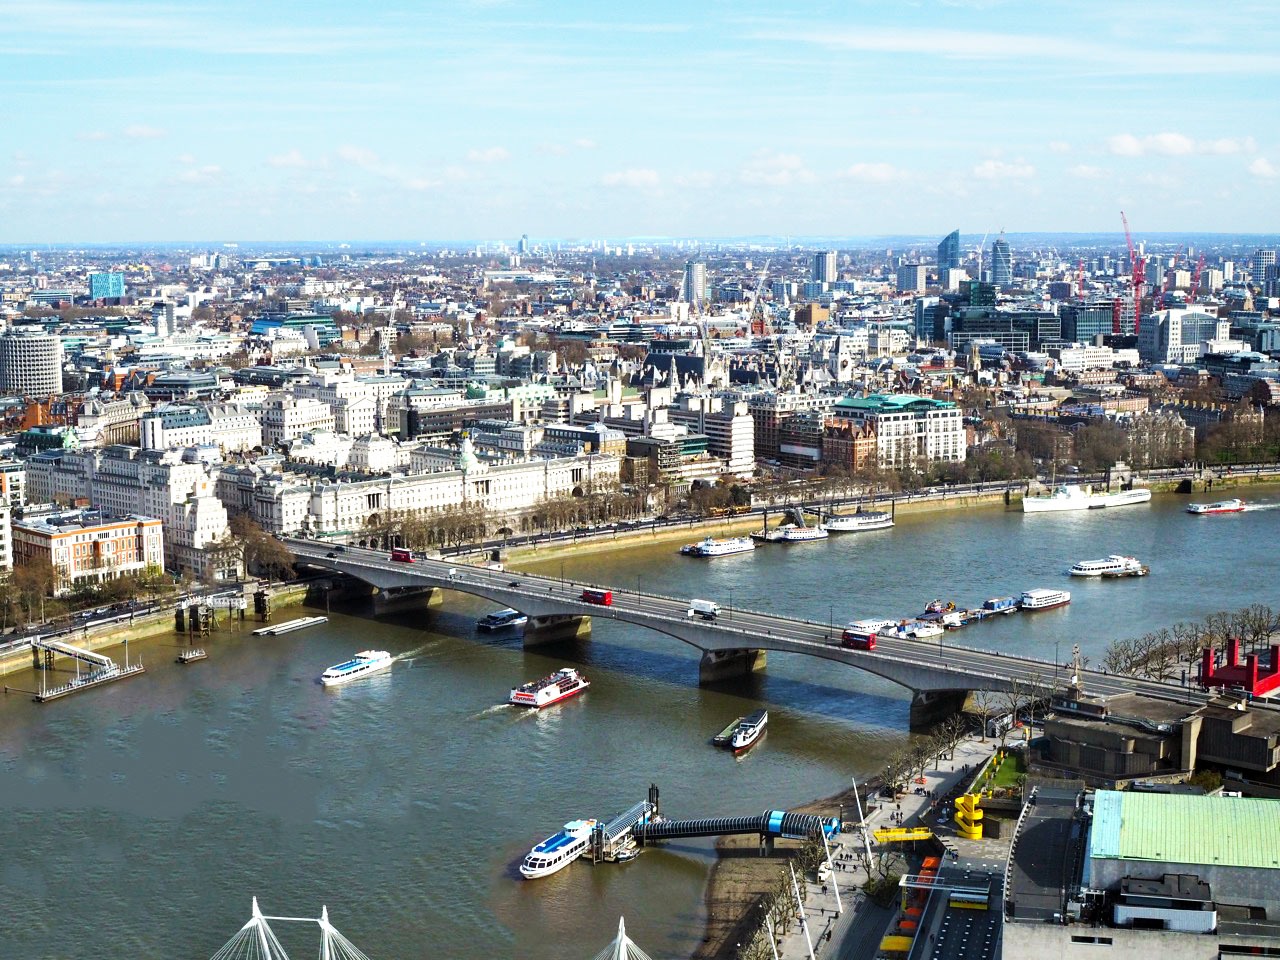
[[719, 665], [554, 628], [406, 598], [929, 707]]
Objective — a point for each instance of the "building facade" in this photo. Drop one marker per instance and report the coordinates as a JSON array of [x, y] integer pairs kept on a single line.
[[86, 545], [30, 363], [909, 430]]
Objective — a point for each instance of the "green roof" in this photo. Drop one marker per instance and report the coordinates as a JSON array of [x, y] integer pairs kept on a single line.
[[890, 402], [1176, 828]]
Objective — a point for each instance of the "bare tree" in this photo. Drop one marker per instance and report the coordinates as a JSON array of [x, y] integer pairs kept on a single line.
[[985, 704]]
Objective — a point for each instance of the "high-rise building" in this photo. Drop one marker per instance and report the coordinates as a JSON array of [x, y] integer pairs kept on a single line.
[[949, 252], [30, 363], [695, 281], [1001, 262], [911, 278], [1261, 260], [106, 286], [824, 267], [523, 246]]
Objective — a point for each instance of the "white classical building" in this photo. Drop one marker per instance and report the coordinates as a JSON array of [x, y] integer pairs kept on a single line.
[[175, 489], [292, 504], [909, 429], [227, 426], [285, 417]]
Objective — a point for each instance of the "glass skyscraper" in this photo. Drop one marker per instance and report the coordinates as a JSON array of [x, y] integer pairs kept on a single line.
[[1001, 262], [949, 251]]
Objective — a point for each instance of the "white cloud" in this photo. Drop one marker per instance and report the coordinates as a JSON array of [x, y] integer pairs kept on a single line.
[[289, 160], [140, 131], [93, 136], [421, 183], [186, 158], [999, 170], [488, 155], [697, 180], [1262, 167], [585, 143], [874, 172], [362, 157], [17, 180], [1169, 144], [636, 179], [1059, 146], [1086, 171], [769, 169], [206, 174]]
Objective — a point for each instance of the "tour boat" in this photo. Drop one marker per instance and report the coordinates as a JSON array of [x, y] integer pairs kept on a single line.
[[501, 620], [558, 850], [542, 693], [1114, 565], [1041, 599], [1084, 498], [1222, 506], [711, 547], [361, 665], [854, 522], [920, 630], [749, 731], [794, 533]]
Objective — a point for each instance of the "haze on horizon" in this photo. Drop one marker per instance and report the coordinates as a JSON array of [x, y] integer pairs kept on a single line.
[[143, 121]]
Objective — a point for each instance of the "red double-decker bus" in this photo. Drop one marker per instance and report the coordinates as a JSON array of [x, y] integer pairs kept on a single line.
[[603, 597]]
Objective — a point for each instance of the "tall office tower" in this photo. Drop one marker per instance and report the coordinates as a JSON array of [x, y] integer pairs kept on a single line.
[[824, 267], [911, 278], [695, 281], [1001, 262], [30, 363], [949, 252], [1261, 260], [523, 246]]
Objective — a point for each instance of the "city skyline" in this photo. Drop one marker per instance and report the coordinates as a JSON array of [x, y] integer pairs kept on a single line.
[[154, 122]]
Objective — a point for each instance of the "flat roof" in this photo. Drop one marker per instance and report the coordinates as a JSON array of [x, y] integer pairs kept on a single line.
[[1178, 828]]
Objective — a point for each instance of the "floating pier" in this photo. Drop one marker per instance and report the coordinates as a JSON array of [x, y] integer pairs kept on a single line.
[[192, 655], [301, 623], [95, 679], [105, 670]]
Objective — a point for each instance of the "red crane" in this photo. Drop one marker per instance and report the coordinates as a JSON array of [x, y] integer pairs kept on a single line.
[[1195, 280], [1139, 276]]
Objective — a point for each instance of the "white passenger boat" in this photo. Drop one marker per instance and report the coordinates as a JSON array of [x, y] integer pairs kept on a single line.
[[1222, 506], [920, 630], [1041, 599], [1083, 498], [501, 620], [794, 533], [1112, 566], [543, 693], [749, 731], [711, 547], [856, 522], [558, 850], [361, 665]]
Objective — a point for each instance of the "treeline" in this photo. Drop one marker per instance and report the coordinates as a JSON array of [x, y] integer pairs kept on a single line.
[[1162, 654]]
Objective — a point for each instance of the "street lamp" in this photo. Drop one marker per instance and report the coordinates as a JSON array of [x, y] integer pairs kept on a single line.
[[562, 573], [731, 603], [831, 616], [1055, 662]]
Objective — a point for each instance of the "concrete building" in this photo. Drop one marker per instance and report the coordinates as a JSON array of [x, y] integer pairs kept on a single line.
[[227, 426], [285, 417], [84, 545], [30, 363], [695, 281], [912, 278], [727, 425], [824, 267], [1181, 335], [101, 423], [909, 430]]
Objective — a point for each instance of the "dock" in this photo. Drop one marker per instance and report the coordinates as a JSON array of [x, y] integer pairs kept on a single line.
[[192, 654], [301, 623], [95, 679]]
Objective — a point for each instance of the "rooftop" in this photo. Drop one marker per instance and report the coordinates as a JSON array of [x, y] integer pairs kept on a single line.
[[890, 403], [1223, 831]]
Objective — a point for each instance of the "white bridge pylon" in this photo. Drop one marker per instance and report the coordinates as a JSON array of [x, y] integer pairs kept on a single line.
[[257, 941]]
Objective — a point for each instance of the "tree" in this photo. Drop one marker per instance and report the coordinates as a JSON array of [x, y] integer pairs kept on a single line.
[[35, 580], [985, 704], [263, 553]]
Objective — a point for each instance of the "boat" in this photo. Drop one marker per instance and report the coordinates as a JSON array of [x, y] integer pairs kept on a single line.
[[1114, 565], [1084, 498], [1042, 599], [192, 655], [501, 620], [361, 665], [794, 533], [749, 731], [855, 522], [1005, 605], [725, 736], [542, 693], [558, 850], [289, 626], [1222, 506], [711, 547], [920, 630], [768, 536]]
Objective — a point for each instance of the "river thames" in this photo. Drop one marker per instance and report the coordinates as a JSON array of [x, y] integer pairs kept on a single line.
[[139, 819]]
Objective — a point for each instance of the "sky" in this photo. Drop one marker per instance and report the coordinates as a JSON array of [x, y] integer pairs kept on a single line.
[[486, 119]]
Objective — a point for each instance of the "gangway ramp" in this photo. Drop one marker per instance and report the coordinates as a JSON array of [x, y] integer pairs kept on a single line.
[[618, 835], [51, 646], [771, 823]]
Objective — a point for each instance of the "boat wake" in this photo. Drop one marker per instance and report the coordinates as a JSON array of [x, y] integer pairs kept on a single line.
[[413, 654], [489, 711], [1257, 507]]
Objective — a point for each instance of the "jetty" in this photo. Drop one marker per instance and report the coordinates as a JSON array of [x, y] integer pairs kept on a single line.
[[102, 668], [301, 623]]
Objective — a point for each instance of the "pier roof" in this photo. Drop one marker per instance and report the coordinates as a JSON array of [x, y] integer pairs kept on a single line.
[[1179, 828]]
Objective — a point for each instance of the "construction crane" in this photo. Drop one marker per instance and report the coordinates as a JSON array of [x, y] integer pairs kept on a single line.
[[981, 247], [1139, 278], [1195, 280], [755, 299], [1080, 278]]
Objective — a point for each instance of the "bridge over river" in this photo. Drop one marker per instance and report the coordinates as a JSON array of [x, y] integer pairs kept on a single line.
[[939, 675]]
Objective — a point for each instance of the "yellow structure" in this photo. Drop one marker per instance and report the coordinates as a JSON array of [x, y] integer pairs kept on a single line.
[[895, 944], [968, 817], [901, 834]]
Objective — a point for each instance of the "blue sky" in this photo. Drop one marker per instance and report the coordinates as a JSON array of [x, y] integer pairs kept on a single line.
[[278, 119]]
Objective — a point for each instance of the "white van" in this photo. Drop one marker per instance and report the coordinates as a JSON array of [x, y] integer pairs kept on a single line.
[[706, 609]]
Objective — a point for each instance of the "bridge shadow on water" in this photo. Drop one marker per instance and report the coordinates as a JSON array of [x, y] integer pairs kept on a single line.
[[867, 708]]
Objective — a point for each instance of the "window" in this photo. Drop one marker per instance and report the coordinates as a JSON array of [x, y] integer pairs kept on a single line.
[[1103, 941]]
